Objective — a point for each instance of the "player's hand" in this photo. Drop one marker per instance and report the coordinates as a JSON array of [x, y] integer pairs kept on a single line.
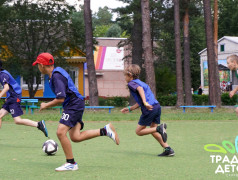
[[148, 106], [42, 106], [125, 110], [231, 94]]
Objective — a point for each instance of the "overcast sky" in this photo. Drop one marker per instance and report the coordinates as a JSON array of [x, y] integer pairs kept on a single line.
[[95, 4]]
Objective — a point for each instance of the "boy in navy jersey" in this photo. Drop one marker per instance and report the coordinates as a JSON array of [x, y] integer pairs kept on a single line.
[[13, 102], [73, 105], [150, 108]]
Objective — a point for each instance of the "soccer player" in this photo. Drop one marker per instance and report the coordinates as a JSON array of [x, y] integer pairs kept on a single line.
[[73, 105], [232, 63], [150, 108], [13, 102]]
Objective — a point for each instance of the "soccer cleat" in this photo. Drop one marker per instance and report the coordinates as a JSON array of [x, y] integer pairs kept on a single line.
[[111, 132], [167, 152], [68, 167], [162, 130], [41, 126]]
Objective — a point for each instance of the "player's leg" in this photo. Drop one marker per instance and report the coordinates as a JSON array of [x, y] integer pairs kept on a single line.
[[19, 121], [157, 136], [3, 113], [16, 112], [142, 130], [237, 111], [70, 164], [168, 151], [77, 136], [146, 120], [73, 119], [27, 122], [108, 130]]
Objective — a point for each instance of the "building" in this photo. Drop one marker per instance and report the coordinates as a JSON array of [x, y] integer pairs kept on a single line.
[[75, 69], [109, 64], [227, 46]]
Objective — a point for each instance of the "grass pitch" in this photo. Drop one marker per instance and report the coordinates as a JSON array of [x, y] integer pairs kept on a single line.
[[136, 157]]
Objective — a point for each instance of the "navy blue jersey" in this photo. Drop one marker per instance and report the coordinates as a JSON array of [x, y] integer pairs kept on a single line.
[[133, 85], [60, 86], [14, 91]]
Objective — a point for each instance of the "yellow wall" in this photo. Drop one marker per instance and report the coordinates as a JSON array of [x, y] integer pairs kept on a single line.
[[80, 76], [39, 93]]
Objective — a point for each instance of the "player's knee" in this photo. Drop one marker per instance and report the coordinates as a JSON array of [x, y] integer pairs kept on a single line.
[[74, 139], [17, 121], [59, 134], [138, 133]]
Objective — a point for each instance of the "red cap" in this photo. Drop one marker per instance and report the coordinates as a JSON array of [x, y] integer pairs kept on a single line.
[[45, 59]]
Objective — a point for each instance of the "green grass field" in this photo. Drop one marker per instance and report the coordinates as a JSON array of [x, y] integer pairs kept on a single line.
[[135, 158]]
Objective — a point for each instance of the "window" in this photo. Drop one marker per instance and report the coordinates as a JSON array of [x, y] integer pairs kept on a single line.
[[73, 72], [222, 47], [24, 84]]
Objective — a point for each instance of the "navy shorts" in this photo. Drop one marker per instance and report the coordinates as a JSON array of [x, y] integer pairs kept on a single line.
[[152, 116], [13, 108], [72, 117]]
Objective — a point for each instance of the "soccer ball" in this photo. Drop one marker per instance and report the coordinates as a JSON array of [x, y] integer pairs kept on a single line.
[[50, 147]]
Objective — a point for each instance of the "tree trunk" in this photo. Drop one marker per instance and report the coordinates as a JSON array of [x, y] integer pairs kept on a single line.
[[92, 80], [146, 44], [187, 71], [216, 51], [212, 63], [137, 49], [179, 73]]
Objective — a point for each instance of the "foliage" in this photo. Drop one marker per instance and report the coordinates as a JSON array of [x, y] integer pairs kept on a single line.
[[29, 28], [226, 100], [102, 17], [166, 80], [114, 31], [77, 38], [198, 100], [228, 15], [100, 30], [113, 101], [167, 100]]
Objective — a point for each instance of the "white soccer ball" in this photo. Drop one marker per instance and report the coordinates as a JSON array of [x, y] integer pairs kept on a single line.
[[50, 147]]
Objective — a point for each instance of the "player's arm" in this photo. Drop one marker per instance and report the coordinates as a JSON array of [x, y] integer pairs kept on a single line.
[[52, 103], [5, 89], [233, 92], [142, 95], [59, 90], [130, 108]]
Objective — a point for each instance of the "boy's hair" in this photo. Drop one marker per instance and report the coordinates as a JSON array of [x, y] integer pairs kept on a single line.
[[132, 70], [233, 58]]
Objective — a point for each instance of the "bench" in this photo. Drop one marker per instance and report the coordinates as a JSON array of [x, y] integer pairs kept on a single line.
[[86, 107], [209, 106], [29, 103], [100, 107], [38, 107]]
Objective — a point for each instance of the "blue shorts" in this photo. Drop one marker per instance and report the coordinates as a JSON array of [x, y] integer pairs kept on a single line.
[[72, 117], [153, 116], [13, 108]]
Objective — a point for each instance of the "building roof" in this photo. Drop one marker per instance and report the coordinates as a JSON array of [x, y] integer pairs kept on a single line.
[[233, 39], [76, 59], [222, 67]]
